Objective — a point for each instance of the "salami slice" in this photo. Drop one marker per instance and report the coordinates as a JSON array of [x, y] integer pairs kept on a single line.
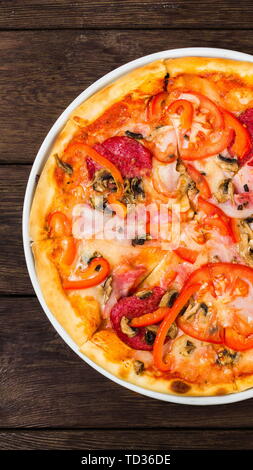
[[247, 118], [128, 155], [135, 306]]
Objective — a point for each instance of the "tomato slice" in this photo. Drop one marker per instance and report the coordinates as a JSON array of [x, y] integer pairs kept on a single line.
[[241, 144], [216, 217], [221, 276], [202, 327], [185, 110], [200, 180], [236, 341], [215, 116], [59, 224], [204, 147], [187, 254], [235, 230], [96, 272], [216, 223]]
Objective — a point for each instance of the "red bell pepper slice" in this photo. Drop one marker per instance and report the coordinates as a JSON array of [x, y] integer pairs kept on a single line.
[[96, 272], [167, 322], [150, 318], [59, 224], [236, 341], [68, 250]]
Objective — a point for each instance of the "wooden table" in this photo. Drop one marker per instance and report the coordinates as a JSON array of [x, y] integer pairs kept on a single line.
[[50, 52]]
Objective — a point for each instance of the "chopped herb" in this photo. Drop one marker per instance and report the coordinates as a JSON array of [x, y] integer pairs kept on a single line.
[[134, 135], [249, 220], [246, 188], [240, 207]]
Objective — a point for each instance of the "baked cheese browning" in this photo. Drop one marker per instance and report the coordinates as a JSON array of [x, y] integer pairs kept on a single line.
[[178, 131]]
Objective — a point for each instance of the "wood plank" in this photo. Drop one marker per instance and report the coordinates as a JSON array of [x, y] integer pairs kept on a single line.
[[45, 385], [43, 84], [126, 13], [127, 439], [13, 272]]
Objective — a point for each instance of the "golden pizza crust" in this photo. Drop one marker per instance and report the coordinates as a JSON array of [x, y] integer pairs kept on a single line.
[[146, 80], [206, 65], [108, 352], [46, 189], [79, 324], [229, 83]]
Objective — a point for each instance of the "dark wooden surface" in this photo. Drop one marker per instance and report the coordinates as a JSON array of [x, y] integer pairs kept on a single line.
[[50, 52]]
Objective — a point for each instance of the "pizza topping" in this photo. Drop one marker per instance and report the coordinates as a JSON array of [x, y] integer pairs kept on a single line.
[[226, 357], [133, 190], [134, 135], [241, 143], [129, 156], [66, 167], [103, 181], [138, 367], [95, 273], [107, 288], [225, 191], [246, 118], [131, 307], [59, 224], [126, 329]]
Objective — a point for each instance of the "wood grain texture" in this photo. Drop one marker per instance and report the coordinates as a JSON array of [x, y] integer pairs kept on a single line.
[[169, 14], [45, 385], [127, 439], [13, 272], [43, 71]]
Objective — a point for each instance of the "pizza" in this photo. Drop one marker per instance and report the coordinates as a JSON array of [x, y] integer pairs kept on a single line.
[[142, 227]]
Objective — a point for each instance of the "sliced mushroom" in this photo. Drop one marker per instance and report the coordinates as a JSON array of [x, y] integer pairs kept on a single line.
[[107, 288], [194, 308], [133, 190], [225, 357], [225, 191], [138, 367], [228, 164], [172, 331], [246, 240], [126, 329], [187, 348], [66, 167], [144, 294], [168, 298], [103, 181]]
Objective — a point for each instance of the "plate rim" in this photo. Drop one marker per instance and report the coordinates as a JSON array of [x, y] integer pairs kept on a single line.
[[38, 164]]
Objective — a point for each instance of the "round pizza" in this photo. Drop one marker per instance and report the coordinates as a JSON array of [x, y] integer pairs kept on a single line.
[[142, 227]]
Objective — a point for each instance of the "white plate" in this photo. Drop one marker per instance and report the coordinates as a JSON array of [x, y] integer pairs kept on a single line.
[[39, 162]]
